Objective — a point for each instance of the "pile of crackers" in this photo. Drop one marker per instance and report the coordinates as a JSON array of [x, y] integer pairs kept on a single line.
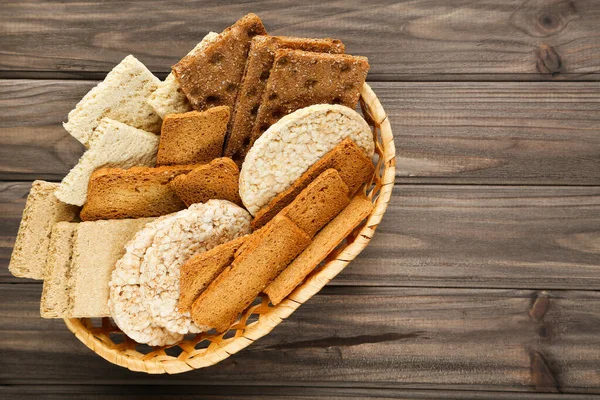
[[264, 125]]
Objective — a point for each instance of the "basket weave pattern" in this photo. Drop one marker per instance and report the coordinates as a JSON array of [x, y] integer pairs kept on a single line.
[[206, 349]]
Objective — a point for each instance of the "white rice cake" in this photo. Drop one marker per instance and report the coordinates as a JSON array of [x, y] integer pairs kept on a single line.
[[113, 144], [42, 211], [168, 97], [293, 144], [122, 97]]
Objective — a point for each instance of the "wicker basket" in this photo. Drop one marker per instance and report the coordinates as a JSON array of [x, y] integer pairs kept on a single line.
[[205, 349]]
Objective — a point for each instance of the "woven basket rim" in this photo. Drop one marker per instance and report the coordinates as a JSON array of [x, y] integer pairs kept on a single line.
[[375, 116]]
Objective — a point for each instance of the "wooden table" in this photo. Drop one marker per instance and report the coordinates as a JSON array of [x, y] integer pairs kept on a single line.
[[482, 281]]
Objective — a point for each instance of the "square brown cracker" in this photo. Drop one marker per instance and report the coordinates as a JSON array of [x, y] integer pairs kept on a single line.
[[354, 167], [324, 243], [193, 137], [249, 274], [260, 60], [300, 79], [212, 77]]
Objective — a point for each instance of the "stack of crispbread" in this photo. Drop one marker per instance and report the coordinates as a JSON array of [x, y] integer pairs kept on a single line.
[[154, 226]]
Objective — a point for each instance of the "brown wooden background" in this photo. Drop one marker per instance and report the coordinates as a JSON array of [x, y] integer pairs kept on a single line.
[[483, 280]]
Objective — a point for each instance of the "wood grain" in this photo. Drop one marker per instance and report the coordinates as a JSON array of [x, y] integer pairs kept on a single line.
[[352, 337], [451, 236], [166, 392], [500, 133], [414, 40]]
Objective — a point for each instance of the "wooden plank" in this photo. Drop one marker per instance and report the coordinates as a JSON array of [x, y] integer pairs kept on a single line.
[[451, 236], [500, 133], [452, 339], [422, 39], [150, 391]]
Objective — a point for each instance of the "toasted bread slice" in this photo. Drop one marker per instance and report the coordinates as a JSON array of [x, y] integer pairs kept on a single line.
[[168, 98], [354, 167], [193, 137], [300, 79], [122, 97], [316, 205], [324, 243], [42, 211], [218, 179], [200, 270], [212, 77], [251, 271], [260, 61], [116, 193]]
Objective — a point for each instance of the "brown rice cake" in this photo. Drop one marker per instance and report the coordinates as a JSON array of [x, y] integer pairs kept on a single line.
[[297, 141], [199, 228], [212, 77], [260, 60], [300, 79]]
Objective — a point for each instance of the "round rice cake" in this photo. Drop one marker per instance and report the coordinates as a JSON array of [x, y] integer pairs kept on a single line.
[[199, 228], [125, 300], [294, 143]]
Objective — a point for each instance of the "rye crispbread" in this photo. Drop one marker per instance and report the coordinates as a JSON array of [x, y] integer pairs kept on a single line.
[[323, 243], [200, 270], [299, 79], [260, 61], [42, 211], [193, 137], [116, 193], [354, 167], [251, 271], [212, 77], [218, 179], [319, 202]]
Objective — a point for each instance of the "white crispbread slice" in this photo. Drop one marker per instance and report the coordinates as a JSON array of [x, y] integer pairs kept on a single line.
[[56, 299], [290, 146], [113, 144], [168, 98], [199, 228], [121, 96], [97, 246], [42, 211]]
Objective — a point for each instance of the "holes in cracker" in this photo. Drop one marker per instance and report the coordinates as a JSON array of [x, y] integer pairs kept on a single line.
[[265, 75], [254, 110], [212, 99], [282, 60], [310, 83], [278, 114], [216, 58], [231, 86], [273, 96]]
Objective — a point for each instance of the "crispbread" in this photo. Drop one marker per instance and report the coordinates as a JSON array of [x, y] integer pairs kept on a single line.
[[319, 202], [254, 82], [354, 167], [97, 246], [122, 97], [212, 77], [297, 141], [56, 299], [113, 144], [116, 193], [199, 228], [193, 137], [42, 211], [218, 179], [323, 244], [168, 98], [251, 271], [200, 270], [300, 79]]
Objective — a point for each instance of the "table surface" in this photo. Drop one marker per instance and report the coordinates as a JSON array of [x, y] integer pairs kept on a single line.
[[482, 281]]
